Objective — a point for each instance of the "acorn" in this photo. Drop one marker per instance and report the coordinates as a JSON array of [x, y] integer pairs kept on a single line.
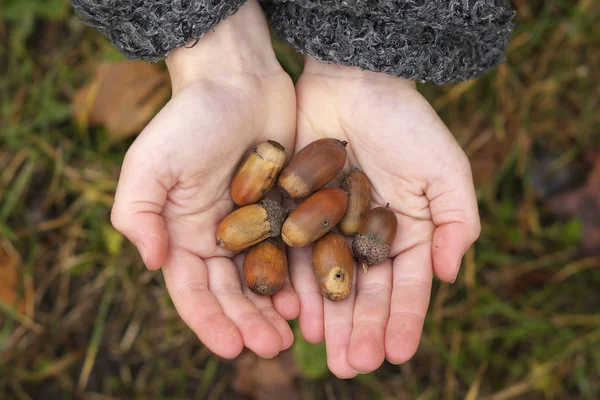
[[357, 187], [377, 231], [257, 173], [314, 217], [250, 225], [265, 267], [312, 168], [333, 266]]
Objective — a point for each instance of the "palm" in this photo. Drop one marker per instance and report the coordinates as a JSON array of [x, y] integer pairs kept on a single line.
[[216, 127], [188, 155], [414, 164]]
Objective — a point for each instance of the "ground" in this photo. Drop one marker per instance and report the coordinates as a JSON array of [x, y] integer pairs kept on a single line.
[[81, 317]]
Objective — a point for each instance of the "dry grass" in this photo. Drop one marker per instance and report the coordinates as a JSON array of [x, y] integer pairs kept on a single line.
[[521, 321]]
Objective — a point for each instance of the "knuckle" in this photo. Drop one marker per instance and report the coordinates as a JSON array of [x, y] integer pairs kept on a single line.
[[191, 289], [376, 289], [117, 220], [464, 164], [412, 321], [476, 229]]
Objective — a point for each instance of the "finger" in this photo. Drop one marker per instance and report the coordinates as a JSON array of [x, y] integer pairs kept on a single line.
[[338, 317], [286, 300], [136, 212], [454, 212], [187, 282], [371, 312], [309, 294], [265, 306], [259, 334], [412, 276]]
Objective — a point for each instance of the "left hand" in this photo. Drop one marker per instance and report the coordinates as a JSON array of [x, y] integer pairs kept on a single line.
[[413, 163]]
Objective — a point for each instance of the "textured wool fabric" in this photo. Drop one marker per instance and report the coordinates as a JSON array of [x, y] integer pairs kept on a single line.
[[428, 40], [439, 41], [151, 29]]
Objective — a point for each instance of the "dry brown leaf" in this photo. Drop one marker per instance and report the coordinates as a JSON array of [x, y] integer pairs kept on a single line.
[[487, 153], [266, 379], [583, 202], [123, 96], [12, 292]]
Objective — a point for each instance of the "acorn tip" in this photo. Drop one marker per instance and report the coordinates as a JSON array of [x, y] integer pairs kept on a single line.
[[364, 265]]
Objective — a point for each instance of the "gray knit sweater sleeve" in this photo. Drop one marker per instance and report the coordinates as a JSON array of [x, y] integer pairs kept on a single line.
[[428, 40], [151, 29], [439, 41]]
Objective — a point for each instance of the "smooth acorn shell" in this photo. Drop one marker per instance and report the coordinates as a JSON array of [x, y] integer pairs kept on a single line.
[[257, 173], [312, 168], [380, 224], [314, 217], [250, 225], [333, 266], [265, 267], [358, 188]]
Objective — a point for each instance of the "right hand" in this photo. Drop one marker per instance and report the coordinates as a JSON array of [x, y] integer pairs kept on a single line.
[[229, 93]]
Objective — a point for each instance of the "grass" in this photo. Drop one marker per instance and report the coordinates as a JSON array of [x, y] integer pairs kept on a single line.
[[521, 322]]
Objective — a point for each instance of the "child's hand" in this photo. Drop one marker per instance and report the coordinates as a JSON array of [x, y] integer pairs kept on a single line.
[[229, 93], [413, 163]]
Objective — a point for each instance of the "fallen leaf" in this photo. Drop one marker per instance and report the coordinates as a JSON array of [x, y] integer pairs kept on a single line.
[[515, 283], [487, 153], [123, 96], [16, 291], [263, 379], [584, 203]]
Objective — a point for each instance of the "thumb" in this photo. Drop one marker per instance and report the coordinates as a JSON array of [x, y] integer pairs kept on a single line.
[[136, 212], [453, 205]]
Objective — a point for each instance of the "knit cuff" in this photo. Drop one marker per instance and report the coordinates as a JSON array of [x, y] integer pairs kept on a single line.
[[439, 41], [151, 29]]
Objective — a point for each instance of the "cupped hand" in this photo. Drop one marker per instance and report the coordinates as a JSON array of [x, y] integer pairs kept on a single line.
[[413, 163], [229, 93]]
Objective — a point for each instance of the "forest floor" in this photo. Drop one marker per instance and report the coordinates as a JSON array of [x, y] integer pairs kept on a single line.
[[80, 317]]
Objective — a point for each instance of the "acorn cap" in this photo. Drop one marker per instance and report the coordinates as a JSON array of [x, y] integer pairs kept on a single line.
[[276, 215], [368, 250]]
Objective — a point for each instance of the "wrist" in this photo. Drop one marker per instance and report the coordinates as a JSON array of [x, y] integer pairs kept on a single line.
[[241, 44], [335, 71]]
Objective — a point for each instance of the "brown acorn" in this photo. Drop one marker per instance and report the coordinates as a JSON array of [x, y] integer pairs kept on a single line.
[[312, 168], [377, 231], [257, 173], [357, 187], [250, 225], [333, 266], [314, 217], [265, 267]]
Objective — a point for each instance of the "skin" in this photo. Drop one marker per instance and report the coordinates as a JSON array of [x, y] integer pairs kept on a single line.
[[415, 164], [229, 94], [229, 88]]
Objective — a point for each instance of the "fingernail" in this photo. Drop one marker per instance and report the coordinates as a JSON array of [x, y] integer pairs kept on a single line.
[[142, 251], [457, 270]]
